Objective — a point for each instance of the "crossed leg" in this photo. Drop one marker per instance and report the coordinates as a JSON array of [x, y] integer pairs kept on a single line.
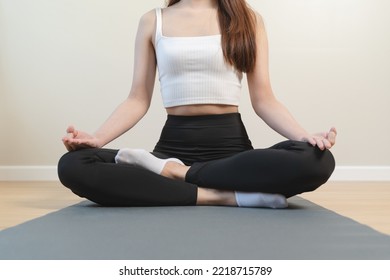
[[175, 169]]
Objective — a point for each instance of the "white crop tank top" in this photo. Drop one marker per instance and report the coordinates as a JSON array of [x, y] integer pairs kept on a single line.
[[192, 70]]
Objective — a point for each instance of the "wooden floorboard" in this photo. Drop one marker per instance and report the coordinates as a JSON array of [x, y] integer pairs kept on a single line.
[[365, 202], [23, 201]]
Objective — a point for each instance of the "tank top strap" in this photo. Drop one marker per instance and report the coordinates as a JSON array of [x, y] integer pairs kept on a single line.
[[158, 23]]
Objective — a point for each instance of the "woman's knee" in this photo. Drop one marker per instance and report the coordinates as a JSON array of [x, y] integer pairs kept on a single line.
[[74, 173], [318, 164], [68, 168], [327, 165], [320, 168], [63, 168]]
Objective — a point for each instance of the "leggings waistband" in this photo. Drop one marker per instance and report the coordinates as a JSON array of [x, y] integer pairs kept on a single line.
[[207, 119], [203, 138]]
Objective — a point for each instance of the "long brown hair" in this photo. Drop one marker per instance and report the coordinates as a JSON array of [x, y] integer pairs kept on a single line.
[[237, 22]]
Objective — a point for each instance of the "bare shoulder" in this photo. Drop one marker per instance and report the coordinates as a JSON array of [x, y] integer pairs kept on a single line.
[[147, 22], [149, 16], [259, 20]]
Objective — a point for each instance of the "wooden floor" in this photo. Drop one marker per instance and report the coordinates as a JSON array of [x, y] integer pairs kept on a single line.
[[367, 203]]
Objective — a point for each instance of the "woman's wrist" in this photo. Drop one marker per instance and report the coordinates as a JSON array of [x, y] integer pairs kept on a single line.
[[98, 139], [302, 136]]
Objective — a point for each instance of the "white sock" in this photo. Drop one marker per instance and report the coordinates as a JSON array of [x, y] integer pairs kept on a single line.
[[144, 159], [268, 200]]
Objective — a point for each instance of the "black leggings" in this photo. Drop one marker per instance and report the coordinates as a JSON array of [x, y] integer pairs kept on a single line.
[[221, 157]]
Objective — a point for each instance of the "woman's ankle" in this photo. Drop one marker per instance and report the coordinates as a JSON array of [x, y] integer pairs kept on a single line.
[[175, 170], [215, 197]]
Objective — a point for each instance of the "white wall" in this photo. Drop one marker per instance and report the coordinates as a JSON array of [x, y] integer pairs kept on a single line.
[[70, 62]]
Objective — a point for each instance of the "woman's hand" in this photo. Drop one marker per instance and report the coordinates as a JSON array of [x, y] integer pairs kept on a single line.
[[324, 140], [76, 140]]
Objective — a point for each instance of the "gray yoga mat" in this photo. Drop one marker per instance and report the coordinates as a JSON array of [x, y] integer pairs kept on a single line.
[[85, 231]]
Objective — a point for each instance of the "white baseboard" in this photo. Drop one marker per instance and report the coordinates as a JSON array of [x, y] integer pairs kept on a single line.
[[49, 173]]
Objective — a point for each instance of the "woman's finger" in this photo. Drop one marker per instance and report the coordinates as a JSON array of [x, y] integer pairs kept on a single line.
[[327, 143], [332, 136], [320, 143], [71, 131], [67, 144]]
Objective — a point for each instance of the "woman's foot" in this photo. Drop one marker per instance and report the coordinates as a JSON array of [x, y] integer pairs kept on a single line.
[[240, 199], [267, 200], [166, 167]]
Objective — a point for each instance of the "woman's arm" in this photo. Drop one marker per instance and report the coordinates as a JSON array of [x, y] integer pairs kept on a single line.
[[268, 108], [135, 106]]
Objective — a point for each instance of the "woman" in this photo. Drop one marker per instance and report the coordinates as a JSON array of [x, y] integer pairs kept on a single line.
[[204, 156]]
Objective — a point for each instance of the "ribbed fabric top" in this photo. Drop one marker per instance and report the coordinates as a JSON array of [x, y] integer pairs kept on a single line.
[[192, 70]]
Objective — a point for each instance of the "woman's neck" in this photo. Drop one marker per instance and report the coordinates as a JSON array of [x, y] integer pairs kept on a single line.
[[199, 3]]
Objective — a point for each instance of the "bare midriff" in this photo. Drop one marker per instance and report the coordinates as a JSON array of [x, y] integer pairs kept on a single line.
[[201, 109]]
